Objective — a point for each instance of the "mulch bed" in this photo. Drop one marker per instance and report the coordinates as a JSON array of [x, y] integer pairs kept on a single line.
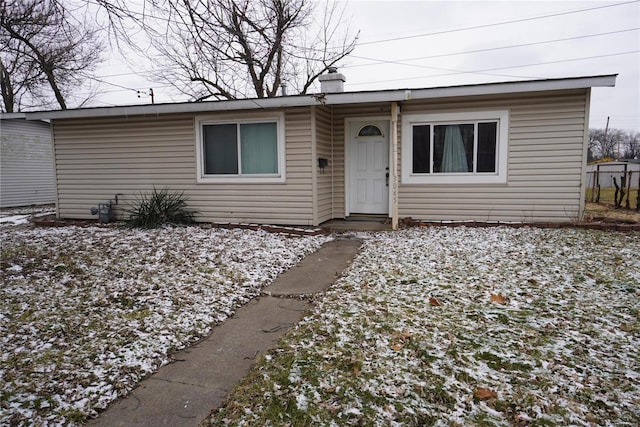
[[51, 221], [607, 224], [598, 223], [56, 222]]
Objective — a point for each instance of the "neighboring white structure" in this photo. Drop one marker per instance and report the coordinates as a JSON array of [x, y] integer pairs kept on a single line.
[[607, 171], [26, 162]]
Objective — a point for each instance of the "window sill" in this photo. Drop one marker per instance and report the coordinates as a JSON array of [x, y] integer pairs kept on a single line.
[[455, 179], [240, 180]]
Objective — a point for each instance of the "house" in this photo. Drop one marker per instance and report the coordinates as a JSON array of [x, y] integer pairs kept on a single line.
[[26, 162], [512, 151]]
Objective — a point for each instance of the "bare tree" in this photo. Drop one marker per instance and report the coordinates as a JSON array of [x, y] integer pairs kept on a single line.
[[222, 49], [45, 53], [18, 74], [605, 144], [632, 145], [226, 49]]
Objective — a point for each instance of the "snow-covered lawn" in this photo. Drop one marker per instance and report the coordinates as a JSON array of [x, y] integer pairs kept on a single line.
[[463, 326], [85, 313]]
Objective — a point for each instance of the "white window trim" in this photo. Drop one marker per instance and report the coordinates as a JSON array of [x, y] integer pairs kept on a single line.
[[201, 121], [502, 149]]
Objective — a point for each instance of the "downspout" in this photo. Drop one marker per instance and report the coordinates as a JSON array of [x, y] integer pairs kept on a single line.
[[333, 189], [55, 169], [394, 165], [314, 168]]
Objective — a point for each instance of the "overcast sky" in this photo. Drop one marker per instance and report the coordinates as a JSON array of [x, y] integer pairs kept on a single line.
[[415, 44]]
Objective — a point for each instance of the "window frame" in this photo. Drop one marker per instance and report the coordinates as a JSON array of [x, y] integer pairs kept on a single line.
[[455, 118], [202, 177], [380, 135]]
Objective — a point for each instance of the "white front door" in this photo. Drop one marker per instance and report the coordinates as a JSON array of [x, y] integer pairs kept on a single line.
[[368, 167]]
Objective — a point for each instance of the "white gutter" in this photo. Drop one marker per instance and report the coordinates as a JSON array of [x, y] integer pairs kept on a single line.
[[395, 95]]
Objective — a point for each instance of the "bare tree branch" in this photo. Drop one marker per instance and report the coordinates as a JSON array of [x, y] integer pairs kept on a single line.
[[220, 49], [226, 49], [605, 144], [45, 49]]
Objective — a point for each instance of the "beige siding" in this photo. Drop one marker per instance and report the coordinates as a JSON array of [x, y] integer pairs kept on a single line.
[[26, 163], [99, 158], [545, 164], [325, 179]]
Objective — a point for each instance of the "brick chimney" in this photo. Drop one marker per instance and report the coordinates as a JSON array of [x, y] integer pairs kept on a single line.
[[332, 82]]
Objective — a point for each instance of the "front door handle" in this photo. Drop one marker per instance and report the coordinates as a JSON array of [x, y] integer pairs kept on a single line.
[[386, 177]]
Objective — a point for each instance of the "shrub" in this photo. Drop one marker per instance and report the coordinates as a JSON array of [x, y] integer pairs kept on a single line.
[[158, 208]]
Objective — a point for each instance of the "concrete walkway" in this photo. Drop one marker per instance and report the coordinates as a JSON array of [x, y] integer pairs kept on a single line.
[[186, 391]]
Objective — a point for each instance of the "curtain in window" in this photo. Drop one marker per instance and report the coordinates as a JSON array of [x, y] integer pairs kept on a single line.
[[454, 157], [259, 148]]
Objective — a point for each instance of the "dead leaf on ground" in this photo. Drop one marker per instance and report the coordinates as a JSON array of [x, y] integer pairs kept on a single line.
[[399, 339], [626, 327], [402, 336], [499, 298], [485, 393], [434, 302]]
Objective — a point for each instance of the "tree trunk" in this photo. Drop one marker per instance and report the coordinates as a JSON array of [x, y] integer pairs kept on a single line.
[[51, 78], [44, 66], [8, 96]]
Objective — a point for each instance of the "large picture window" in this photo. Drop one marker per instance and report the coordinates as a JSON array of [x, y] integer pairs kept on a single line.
[[457, 147], [244, 150]]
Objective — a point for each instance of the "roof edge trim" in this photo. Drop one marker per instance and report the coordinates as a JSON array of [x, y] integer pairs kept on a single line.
[[525, 86]]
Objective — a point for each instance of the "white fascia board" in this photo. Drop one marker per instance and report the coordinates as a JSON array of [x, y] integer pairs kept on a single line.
[[11, 116], [187, 107], [472, 90], [332, 98]]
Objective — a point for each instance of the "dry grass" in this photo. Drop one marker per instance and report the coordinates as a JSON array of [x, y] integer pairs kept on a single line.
[[607, 196], [85, 313], [462, 327], [603, 211]]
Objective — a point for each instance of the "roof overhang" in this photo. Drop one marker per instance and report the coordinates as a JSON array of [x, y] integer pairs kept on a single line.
[[333, 98], [12, 116]]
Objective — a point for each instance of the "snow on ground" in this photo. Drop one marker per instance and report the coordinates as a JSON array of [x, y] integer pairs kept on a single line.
[[14, 219], [463, 326], [85, 313], [21, 215]]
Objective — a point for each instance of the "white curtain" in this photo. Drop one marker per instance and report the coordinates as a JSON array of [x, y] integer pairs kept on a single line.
[[454, 158]]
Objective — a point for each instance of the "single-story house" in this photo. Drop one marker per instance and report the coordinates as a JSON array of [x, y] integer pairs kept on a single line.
[[26, 162], [513, 151]]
